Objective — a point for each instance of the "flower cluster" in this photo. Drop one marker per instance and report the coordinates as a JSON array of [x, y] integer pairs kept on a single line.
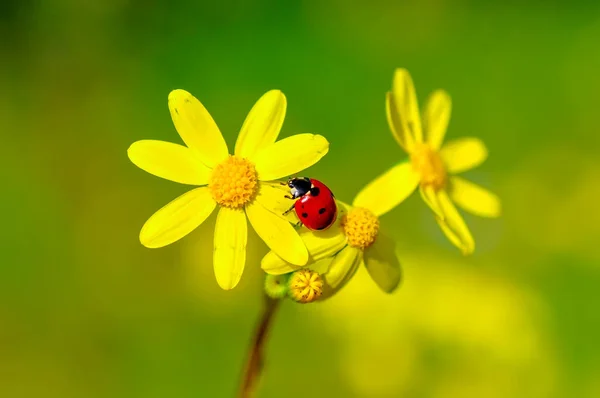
[[306, 264]]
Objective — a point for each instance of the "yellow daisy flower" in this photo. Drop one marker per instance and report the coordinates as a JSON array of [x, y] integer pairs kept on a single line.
[[354, 239], [237, 183], [431, 165]]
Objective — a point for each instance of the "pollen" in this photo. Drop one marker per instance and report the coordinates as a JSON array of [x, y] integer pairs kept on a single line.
[[233, 182], [428, 163], [305, 286], [361, 227]]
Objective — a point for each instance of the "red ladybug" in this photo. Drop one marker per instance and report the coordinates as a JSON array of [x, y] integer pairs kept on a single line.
[[315, 204]]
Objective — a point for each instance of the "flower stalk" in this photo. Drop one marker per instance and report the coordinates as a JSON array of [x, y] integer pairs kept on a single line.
[[255, 361]]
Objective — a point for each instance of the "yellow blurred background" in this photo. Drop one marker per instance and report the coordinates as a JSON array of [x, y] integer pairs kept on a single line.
[[86, 311]]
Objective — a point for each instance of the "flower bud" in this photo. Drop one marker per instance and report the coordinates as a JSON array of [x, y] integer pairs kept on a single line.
[[276, 286], [305, 286]]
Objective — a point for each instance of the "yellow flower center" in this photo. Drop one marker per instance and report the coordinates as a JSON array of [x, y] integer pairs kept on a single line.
[[361, 227], [428, 163], [305, 286], [233, 182]]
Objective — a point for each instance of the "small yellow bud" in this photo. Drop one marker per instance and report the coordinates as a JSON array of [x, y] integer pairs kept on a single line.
[[305, 286]]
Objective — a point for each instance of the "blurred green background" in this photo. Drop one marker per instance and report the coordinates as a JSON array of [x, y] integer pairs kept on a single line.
[[86, 311]]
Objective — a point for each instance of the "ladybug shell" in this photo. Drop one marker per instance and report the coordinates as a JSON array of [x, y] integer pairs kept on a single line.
[[317, 209]]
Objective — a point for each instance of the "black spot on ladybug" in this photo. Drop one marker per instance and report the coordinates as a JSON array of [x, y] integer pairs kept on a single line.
[[322, 210], [314, 191], [304, 215]]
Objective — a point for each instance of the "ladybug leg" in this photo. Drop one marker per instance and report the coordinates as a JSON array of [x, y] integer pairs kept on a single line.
[[288, 197], [288, 210]]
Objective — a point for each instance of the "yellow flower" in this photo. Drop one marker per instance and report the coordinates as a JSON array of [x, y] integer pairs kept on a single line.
[[431, 165], [237, 183], [354, 239]]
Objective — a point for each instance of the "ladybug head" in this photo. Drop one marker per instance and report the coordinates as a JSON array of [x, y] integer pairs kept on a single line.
[[299, 186]]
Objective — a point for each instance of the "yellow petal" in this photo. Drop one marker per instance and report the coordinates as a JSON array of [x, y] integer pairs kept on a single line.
[[178, 218], [170, 161], [343, 208], [272, 264], [341, 270], [429, 196], [262, 125], [382, 264], [389, 189], [407, 107], [197, 128], [273, 197], [289, 156], [463, 154], [406, 142], [229, 257], [452, 237], [275, 265], [321, 266], [436, 117], [321, 244], [277, 233], [473, 198], [453, 224]]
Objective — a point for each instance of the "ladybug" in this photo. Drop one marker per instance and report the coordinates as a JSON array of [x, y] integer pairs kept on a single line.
[[315, 204]]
